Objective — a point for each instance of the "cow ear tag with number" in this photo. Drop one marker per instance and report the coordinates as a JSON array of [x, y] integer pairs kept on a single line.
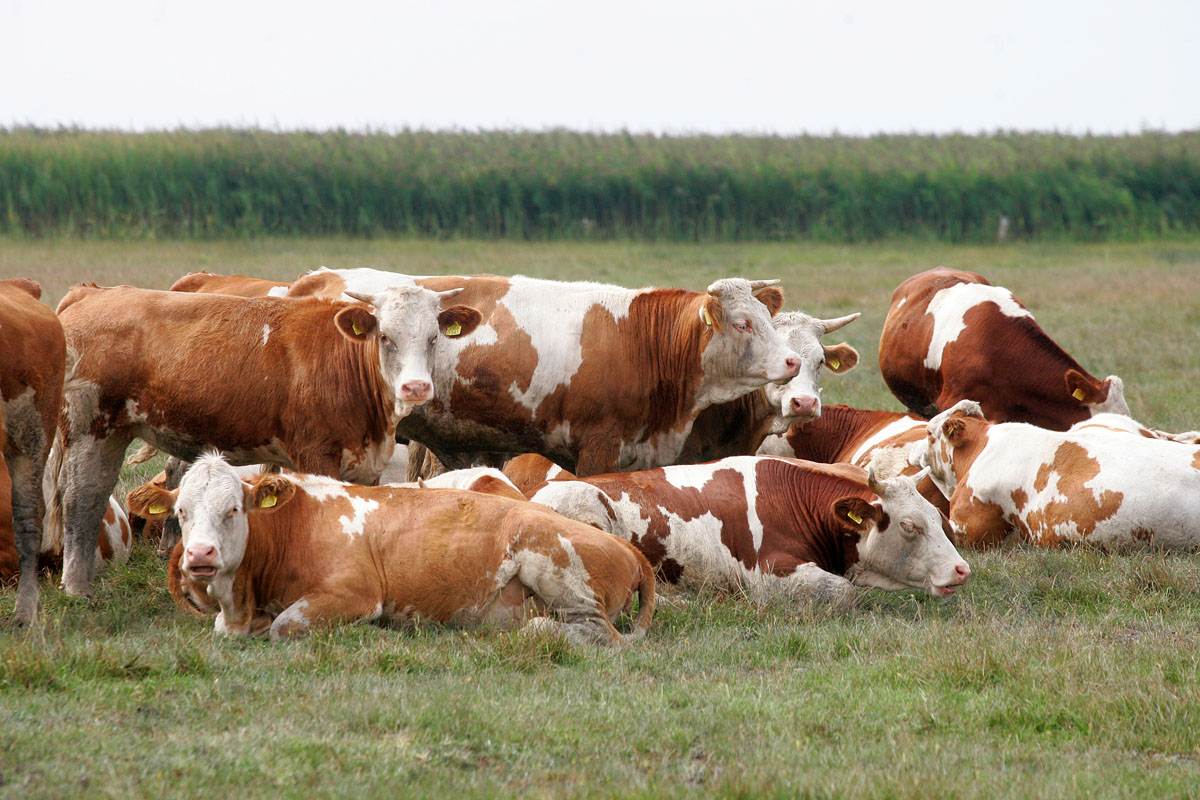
[[705, 317], [268, 502], [454, 330], [855, 518], [1078, 395], [156, 508], [834, 363], [358, 329]]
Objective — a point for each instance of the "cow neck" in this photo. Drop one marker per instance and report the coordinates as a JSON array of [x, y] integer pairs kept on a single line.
[[836, 433], [665, 332], [964, 456], [735, 428], [801, 500]]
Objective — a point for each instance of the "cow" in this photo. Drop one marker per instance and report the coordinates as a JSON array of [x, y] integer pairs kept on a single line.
[[738, 428], [950, 335], [288, 554], [33, 355], [308, 384], [808, 530], [596, 377], [864, 437], [236, 285], [1100, 483]]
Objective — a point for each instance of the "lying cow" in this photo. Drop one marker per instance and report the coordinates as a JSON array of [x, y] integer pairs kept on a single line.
[[308, 384], [290, 554], [809, 530], [596, 377], [32, 363], [738, 428], [236, 285], [1101, 482], [951, 335], [867, 438]]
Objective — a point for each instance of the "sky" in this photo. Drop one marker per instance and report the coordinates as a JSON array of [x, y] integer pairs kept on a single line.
[[853, 67]]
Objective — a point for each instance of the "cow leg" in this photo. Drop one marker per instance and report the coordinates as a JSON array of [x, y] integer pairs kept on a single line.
[[576, 612], [808, 583], [171, 532], [91, 466], [316, 610], [28, 443]]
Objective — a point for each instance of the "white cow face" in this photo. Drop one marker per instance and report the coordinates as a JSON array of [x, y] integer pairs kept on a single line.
[[906, 546], [406, 321], [799, 400], [936, 450], [745, 351]]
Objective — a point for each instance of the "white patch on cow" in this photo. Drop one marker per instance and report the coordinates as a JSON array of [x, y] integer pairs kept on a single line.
[[354, 526], [292, 615], [652, 453], [278, 291], [466, 478], [367, 467], [321, 488], [886, 432], [266, 334], [950, 306], [368, 281], [689, 476]]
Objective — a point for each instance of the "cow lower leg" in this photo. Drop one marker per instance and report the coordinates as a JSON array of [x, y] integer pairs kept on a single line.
[[27, 533], [171, 532], [92, 467], [316, 611]]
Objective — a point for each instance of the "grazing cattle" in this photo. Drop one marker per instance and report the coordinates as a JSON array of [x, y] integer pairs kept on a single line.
[[738, 428], [810, 530], [311, 384], [236, 285], [596, 377], [32, 362], [951, 335], [1100, 483], [289, 554], [867, 438]]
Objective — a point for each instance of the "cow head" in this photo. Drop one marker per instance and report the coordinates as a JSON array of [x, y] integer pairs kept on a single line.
[[799, 400], [745, 351], [406, 321], [1100, 397], [960, 428], [902, 543]]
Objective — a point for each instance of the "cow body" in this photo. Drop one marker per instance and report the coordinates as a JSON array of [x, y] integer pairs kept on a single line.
[[810, 530], [950, 335], [236, 285], [863, 437], [1101, 483], [290, 554], [310, 384], [595, 377], [32, 364]]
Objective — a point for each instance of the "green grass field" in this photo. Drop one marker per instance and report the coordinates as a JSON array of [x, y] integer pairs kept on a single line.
[[1052, 674]]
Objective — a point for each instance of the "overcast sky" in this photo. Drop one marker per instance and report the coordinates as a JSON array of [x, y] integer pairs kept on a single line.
[[855, 67]]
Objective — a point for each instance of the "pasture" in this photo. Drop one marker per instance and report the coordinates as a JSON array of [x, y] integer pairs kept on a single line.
[[1051, 674]]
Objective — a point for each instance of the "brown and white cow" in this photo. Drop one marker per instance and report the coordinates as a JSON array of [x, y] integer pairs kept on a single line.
[[738, 428], [32, 362], [950, 335], [596, 377], [809, 530], [1100, 482], [880, 440], [289, 554], [236, 285], [308, 384]]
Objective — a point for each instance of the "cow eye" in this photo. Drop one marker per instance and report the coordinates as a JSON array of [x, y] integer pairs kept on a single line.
[[744, 327], [908, 528], [384, 340], [433, 340], [230, 513]]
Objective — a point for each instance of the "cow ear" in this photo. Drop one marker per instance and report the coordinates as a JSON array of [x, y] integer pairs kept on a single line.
[[268, 493], [840, 358], [953, 429], [1085, 389], [151, 502], [711, 313], [772, 298], [356, 323], [459, 320], [855, 514]]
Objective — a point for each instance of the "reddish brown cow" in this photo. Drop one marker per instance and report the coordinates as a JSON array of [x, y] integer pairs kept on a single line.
[[951, 335], [236, 285], [292, 553], [32, 363], [307, 384]]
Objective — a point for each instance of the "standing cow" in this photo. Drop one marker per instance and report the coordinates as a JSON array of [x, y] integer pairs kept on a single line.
[[950, 335], [311, 384], [32, 362], [596, 377]]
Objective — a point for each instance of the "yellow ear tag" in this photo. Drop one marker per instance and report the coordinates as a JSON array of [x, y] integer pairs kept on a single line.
[[157, 508], [834, 363], [1078, 395], [854, 517], [358, 331], [269, 501], [454, 330], [705, 317]]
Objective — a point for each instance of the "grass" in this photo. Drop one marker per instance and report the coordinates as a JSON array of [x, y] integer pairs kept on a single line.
[[1053, 674]]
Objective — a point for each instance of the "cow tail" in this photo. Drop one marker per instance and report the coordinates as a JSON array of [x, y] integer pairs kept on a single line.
[[645, 598]]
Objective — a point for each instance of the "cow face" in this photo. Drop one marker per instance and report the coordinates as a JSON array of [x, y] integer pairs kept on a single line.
[[406, 321], [946, 433], [745, 351], [799, 400], [904, 544]]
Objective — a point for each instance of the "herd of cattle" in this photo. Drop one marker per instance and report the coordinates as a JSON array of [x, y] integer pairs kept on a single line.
[[643, 434]]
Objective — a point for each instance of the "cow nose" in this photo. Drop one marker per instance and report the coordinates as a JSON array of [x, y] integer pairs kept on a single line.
[[804, 406], [963, 572], [793, 366], [417, 391], [201, 556]]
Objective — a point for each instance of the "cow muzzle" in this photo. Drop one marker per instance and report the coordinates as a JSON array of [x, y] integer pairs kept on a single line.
[[804, 408], [201, 563], [416, 392], [961, 573]]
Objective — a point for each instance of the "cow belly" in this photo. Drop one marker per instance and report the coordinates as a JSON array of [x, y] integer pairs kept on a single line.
[[660, 451], [189, 449]]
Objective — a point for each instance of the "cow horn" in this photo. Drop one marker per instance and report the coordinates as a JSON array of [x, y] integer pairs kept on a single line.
[[922, 475], [756, 285], [361, 297], [446, 295], [873, 483], [832, 325]]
